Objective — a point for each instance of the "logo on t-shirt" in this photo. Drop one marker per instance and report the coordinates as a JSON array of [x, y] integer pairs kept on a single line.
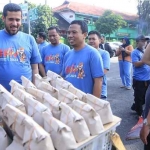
[[75, 71], [21, 54], [11, 54], [53, 59]]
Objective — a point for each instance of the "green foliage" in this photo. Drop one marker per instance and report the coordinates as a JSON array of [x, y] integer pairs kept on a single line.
[[30, 5], [144, 16], [109, 22], [1, 22], [44, 21]]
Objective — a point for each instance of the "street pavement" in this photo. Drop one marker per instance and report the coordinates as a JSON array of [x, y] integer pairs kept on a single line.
[[121, 101]]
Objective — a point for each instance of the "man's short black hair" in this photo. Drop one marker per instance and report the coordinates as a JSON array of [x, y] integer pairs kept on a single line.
[[95, 32], [43, 35], [11, 7], [82, 24], [54, 27], [102, 36]]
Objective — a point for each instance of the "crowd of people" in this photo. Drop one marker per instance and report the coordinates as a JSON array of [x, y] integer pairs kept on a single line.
[[85, 65]]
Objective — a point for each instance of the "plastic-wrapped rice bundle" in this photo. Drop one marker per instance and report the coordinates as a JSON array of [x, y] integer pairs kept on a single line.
[[4, 139], [33, 107], [31, 135], [102, 107], [8, 98], [27, 83], [81, 95], [66, 97], [92, 118], [62, 84], [15, 85], [45, 86], [52, 76], [61, 134], [46, 99], [75, 121]]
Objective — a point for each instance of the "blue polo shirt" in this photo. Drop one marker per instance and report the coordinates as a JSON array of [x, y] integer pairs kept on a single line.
[[106, 64], [141, 73]]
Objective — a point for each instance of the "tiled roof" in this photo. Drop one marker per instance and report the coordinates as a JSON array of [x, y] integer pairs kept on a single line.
[[91, 10]]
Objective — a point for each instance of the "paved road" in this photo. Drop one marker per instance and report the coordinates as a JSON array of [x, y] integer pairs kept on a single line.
[[121, 101]]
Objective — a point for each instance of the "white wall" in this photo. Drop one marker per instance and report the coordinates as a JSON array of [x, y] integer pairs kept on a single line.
[[69, 16]]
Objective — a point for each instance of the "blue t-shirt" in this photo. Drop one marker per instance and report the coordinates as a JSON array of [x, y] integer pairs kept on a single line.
[[141, 73], [106, 63], [17, 53], [40, 46], [52, 57], [81, 67]]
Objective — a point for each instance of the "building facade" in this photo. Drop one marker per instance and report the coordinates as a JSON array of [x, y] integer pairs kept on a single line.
[[70, 11]]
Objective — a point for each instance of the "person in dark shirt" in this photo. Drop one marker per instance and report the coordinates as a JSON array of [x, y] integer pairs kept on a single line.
[[106, 46]]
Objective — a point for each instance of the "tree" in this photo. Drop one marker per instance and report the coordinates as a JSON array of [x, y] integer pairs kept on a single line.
[[44, 21], [1, 22], [109, 22], [144, 16]]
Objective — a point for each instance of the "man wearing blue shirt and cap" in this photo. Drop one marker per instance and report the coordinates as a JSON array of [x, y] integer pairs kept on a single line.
[[141, 75]]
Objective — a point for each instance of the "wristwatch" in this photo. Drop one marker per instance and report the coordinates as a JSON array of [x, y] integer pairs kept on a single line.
[[145, 122]]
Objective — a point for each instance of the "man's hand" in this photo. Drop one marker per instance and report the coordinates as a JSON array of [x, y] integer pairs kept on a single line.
[[144, 133]]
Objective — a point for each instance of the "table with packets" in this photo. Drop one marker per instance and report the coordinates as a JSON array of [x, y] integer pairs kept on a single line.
[[53, 114]]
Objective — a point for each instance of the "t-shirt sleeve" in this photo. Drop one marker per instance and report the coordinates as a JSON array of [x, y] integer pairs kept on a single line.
[[134, 57], [106, 61], [96, 65], [42, 55], [66, 49], [35, 56], [63, 68]]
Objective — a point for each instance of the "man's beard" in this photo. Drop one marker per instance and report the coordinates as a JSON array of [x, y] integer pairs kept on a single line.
[[7, 29]]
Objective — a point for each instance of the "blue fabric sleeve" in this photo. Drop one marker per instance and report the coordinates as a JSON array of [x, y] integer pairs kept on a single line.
[[96, 64], [67, 48], [63, 69], [42, 55], [35, 57], [135, 57], [106, 60]]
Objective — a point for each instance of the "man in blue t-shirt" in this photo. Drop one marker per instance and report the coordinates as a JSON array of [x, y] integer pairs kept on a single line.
[[141, 75], [83, 65], [19, 54], [53, 54], [94, 39], [41, 40]]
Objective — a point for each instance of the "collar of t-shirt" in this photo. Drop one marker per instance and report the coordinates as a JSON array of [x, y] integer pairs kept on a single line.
[[141, 50]]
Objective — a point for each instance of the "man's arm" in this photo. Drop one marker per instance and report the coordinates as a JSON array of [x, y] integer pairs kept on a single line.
[[97, 86], [106, 62], [138, 64], [129, 49], [34, 71], [42, 70], [146, 56], [105, 71]]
